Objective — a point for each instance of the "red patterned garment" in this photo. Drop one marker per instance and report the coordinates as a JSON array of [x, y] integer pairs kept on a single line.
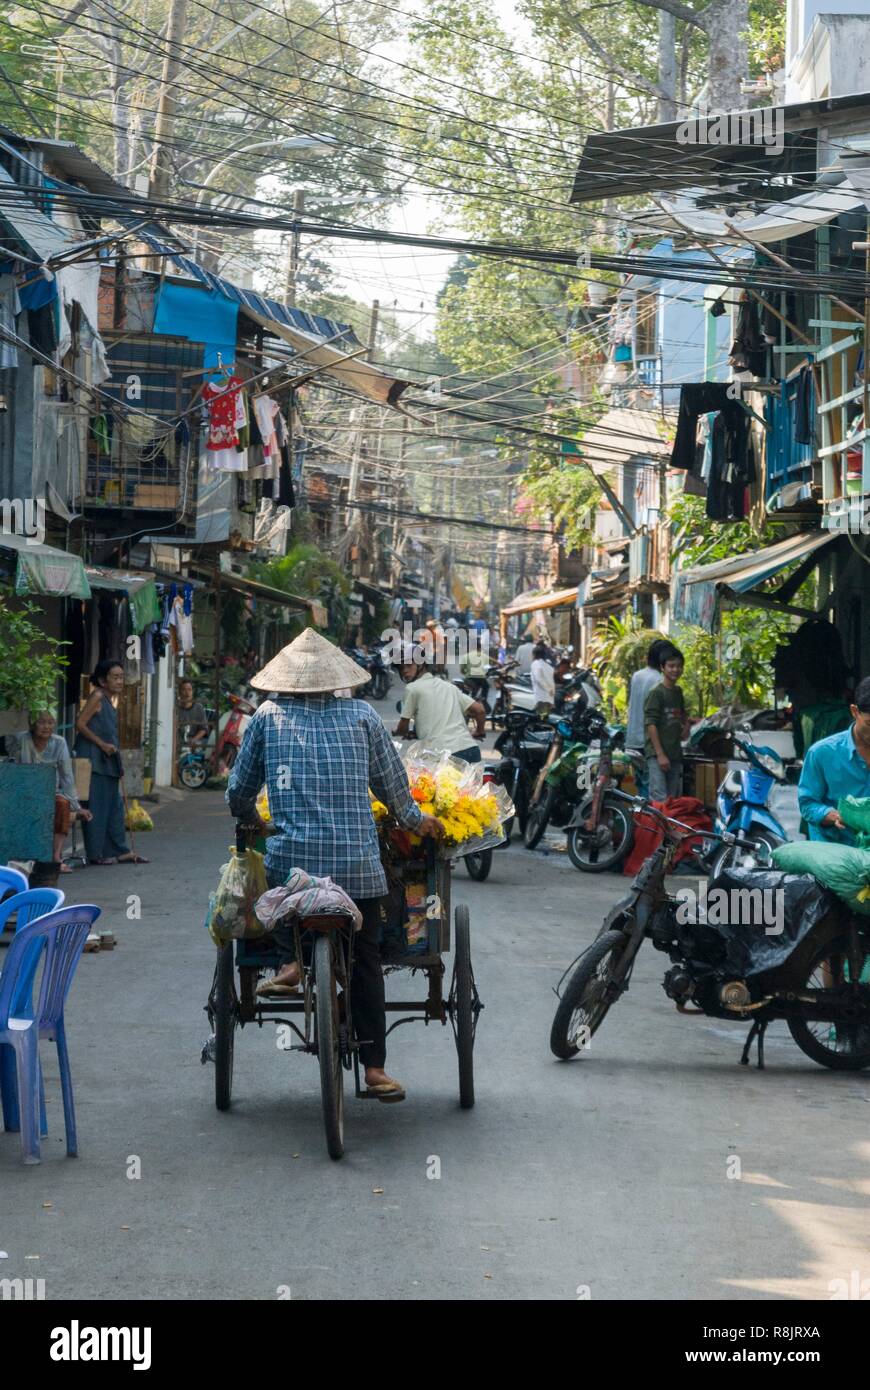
[[220, 399]]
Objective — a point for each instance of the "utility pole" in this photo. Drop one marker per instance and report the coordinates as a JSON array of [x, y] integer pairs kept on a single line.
[[293, 252], [166, 102], [373, 330]]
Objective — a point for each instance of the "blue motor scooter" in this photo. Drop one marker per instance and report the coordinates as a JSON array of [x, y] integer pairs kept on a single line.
[[741, 805]]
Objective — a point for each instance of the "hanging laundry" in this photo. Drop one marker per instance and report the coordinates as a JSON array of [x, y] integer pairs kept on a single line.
[[749, 350], [225, 412], [148, 648], [266, 411], [182, 624], [699, 398]]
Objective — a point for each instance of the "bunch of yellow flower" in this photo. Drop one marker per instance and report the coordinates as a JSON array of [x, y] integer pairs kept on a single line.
[[470, 817], [469, 809]]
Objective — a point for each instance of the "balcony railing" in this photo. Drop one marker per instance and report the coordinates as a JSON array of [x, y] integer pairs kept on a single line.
[[142, 456]]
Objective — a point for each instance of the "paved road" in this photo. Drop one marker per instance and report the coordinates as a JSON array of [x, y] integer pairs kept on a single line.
[[608, 1174]]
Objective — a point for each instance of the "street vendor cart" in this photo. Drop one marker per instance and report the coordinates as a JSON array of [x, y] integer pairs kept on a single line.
[[416, 936]]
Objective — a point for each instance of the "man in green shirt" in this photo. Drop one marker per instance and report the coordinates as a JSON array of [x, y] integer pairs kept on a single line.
[[664, 717]]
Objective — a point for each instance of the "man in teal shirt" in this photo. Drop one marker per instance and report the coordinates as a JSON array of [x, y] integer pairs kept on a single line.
[[835, 768]]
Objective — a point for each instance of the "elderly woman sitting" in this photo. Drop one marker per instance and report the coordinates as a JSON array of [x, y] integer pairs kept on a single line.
[[42, 744]]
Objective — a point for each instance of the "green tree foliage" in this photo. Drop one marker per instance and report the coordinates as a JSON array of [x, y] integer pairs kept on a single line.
[[30, 662], [735, 664], [307, 572], [248, 75]]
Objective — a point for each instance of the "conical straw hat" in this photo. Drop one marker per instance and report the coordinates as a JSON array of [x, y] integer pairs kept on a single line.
[[309, 666]]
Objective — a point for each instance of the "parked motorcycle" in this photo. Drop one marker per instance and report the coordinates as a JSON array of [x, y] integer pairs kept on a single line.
[[601, 830], [523, 744], [381, 673], [555, 793], [582, 685], [741, 806], [808, 970], [217, 755]]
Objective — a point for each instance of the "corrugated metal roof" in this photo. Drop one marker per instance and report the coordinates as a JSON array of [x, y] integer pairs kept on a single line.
[[75, 163], [28, 225], [315, 325], [641, 159]]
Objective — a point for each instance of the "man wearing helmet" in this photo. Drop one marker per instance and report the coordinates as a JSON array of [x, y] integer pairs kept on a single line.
[[438, 711]]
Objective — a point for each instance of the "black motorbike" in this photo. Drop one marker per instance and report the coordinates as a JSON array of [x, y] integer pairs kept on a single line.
[[807, 965], [556, 793], [523, 744]]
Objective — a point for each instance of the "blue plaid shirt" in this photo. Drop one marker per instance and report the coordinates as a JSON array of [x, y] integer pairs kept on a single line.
[[318, 756]]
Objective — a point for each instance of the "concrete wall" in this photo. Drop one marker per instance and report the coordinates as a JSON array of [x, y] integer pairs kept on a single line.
[[801, 15], [835, 60]]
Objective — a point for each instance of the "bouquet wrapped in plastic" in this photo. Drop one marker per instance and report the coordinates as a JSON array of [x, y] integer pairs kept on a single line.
[[471, 810]]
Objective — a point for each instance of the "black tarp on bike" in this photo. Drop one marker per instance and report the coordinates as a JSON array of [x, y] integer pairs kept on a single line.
[[751, 920]]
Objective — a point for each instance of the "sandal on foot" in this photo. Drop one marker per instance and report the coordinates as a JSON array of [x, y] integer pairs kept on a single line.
[[133, 859], [388, 1091], [275, 987]]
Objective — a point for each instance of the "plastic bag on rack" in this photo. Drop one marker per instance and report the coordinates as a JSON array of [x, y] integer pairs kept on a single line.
[[231, 913], [471, 810]]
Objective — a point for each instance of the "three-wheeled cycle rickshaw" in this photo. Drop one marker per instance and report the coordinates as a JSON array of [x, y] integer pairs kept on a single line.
[[320, 1016]]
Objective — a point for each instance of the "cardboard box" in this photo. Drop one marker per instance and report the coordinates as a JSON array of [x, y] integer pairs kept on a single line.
[[82, 775], [708, 775], [161, 495]]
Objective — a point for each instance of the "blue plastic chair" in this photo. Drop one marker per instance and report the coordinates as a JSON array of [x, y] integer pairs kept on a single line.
[[35, 902], [12, 879], [62, 936]]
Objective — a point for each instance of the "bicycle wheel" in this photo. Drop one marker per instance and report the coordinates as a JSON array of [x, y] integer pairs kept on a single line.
[[588, 995], [607, 845], [538, 817], [479, 865], [842, 1045], [226, 1017], [328, 1046], [463, 1011]]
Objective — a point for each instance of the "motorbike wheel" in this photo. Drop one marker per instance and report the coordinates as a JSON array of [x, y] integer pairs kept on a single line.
[[192, 773], [605, 847], [228, 757], [479, 865], [840, 1046], [736, 857], [587, 996], [538, 817], [380, 685]]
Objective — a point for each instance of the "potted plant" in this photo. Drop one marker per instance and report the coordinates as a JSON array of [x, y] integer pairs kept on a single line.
[[31, 663]]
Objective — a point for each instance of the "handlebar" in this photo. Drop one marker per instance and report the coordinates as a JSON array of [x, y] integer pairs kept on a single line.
[[727, 837]]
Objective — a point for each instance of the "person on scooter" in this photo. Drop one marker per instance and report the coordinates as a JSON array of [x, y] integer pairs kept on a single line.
[[438, 711], [190, 715], [834, 768]]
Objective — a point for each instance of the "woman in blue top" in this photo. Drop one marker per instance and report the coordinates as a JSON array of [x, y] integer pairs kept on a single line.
[[97, 728]]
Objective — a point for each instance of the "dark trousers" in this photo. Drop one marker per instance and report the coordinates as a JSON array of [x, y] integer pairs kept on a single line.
[[468, 755], [367, 979], [105, 835]]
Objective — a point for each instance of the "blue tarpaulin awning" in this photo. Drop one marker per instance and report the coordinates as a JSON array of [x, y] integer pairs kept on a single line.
[[324, 343], [204, 316]]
